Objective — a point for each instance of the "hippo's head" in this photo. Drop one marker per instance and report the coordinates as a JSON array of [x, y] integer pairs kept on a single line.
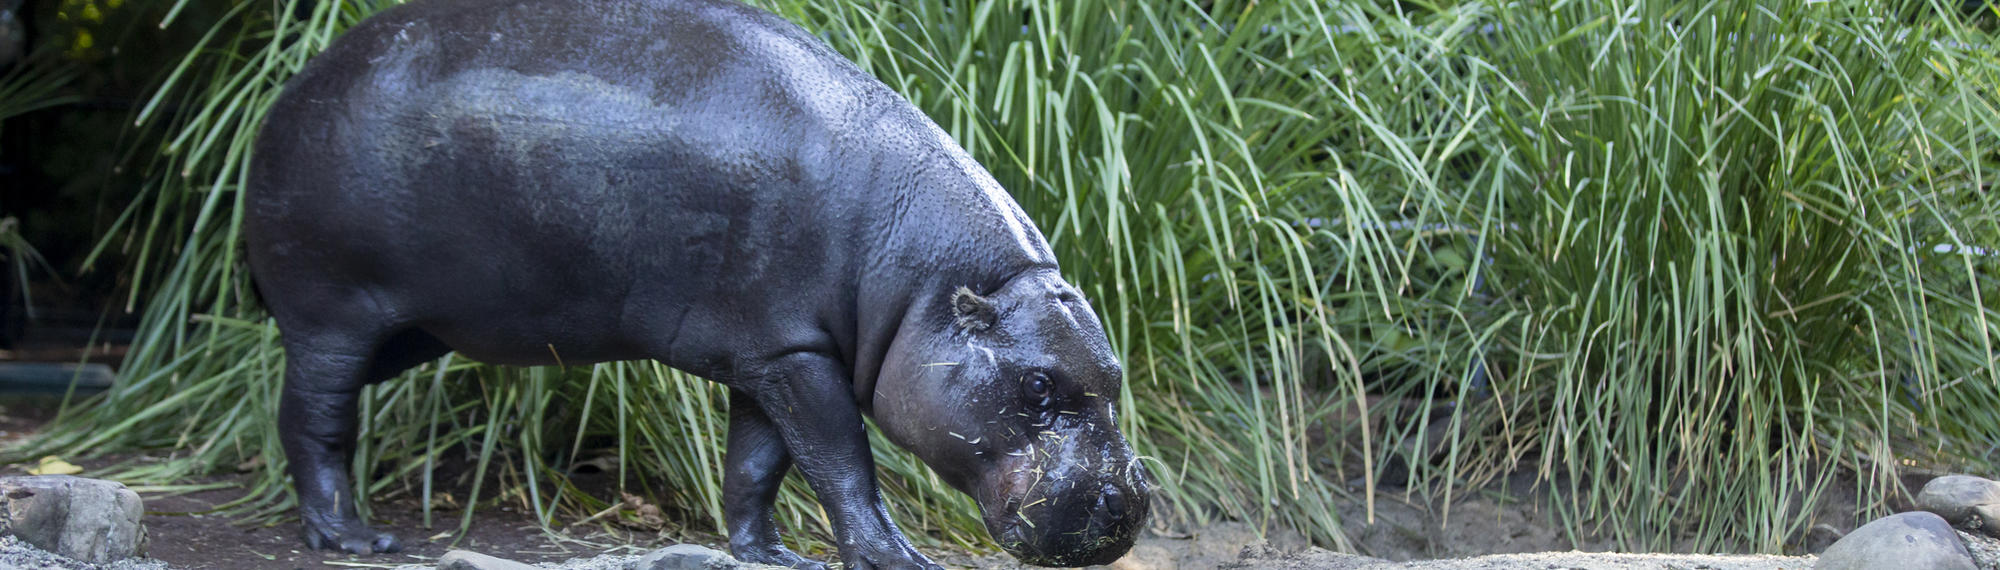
[[1011, 397]]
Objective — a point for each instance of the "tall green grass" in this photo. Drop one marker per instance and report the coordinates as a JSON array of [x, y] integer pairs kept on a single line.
[[1686, 261], [1746, 253], [33, 83]]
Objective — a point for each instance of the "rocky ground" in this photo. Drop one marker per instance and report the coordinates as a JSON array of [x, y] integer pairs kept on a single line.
[[507, 541], [1153, 553], [1220, 545], [93, 520], [1945, 528]]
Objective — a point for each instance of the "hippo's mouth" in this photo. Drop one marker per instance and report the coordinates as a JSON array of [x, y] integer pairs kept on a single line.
[[1075, 500], [1098, 528], [1075, 552]]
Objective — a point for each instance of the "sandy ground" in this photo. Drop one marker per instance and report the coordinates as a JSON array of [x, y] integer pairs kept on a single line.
[[1321, 559], [1236, 545], [1257, 558]]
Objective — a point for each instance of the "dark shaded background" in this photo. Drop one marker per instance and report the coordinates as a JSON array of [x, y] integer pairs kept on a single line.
[[69, 171]]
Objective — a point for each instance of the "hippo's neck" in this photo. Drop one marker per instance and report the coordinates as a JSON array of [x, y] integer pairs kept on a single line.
[[952, 219], [951, 226]]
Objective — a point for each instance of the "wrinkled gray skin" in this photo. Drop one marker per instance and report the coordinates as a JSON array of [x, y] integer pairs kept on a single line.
[[703, 184]]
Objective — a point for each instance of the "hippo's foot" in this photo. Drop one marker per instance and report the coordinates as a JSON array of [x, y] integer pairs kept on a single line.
[[353, 537], [776, 555]]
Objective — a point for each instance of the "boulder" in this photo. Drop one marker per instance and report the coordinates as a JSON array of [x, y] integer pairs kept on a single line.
[[1908, 540], [91, 520], [1954, 496]]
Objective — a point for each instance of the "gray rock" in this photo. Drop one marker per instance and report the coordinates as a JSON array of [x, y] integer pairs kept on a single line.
[[1907, 540], [691, 557], [91, 520], [1954, 496], [1989, 519], [469, 560]]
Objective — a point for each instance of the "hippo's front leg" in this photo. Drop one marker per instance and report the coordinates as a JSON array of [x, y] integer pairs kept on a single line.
[[757, 463], [810, 400]]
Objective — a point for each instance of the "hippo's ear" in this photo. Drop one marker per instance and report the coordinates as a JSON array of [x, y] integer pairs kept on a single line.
[[973, 312]]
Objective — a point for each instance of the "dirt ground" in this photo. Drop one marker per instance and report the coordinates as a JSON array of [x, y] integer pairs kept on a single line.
[[187, 532], [183, 538], [190, 531]]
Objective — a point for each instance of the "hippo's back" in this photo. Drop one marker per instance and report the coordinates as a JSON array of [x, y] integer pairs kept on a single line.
[[513, 174]]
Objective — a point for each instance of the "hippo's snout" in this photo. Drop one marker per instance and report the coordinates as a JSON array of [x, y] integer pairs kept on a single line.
[[1079, 522]]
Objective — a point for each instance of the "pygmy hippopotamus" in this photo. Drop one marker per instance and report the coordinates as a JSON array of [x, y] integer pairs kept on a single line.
[[701, 183]]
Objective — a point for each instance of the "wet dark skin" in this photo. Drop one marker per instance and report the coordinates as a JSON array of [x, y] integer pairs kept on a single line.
[[703, 184]]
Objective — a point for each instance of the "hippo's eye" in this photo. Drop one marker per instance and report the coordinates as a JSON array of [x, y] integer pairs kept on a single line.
[[1040, 389]]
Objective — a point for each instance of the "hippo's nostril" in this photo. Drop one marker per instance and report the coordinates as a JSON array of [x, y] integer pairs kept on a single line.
[[1113, 501]]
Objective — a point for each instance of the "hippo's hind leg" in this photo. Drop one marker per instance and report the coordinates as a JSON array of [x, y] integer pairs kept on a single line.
[[317, 419], [757, 463]]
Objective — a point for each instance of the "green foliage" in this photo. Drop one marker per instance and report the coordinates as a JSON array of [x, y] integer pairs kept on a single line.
[[34, 83], [1726, 268], [17, 257], [1685, 260]]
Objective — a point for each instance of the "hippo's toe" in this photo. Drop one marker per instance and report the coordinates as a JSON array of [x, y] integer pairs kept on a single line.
[[777, 556], [379, 543], [355, 539]]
